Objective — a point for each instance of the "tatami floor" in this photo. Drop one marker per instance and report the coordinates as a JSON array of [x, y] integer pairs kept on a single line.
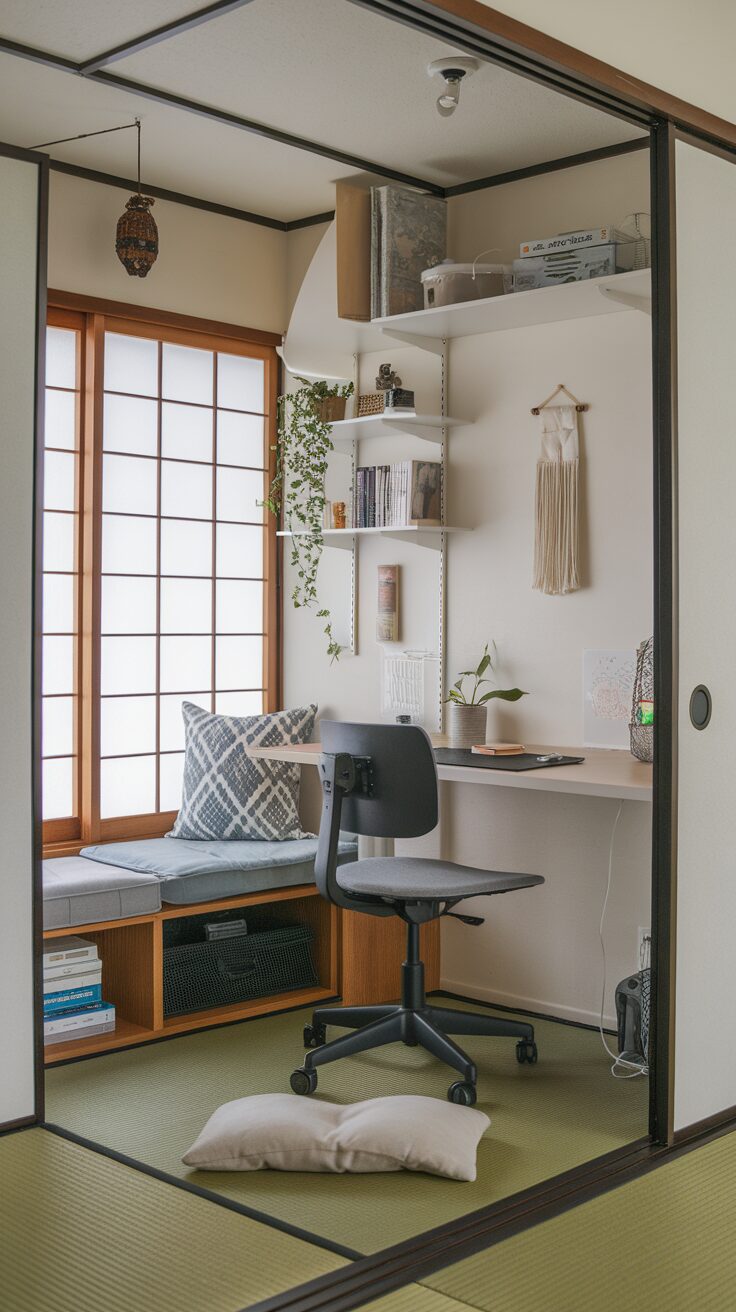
[[151, 1102], [79, 1232]]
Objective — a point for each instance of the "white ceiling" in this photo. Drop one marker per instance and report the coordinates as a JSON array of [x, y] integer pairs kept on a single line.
[[325, 70]]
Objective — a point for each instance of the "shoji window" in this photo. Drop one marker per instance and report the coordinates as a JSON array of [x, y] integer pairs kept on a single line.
[[61, 521], [178, 563]]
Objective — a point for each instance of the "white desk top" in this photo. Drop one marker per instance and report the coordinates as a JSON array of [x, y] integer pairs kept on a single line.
[[603, 773]]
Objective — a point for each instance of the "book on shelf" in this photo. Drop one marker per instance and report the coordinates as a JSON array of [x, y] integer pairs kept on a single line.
[[81, 979], [99, 1019], [408, 235], [68, 949], [403, 495], [72, 999], [62, 971]]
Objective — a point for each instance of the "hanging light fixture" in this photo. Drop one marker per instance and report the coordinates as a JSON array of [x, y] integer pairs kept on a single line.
[[452, 69], [136, 240]]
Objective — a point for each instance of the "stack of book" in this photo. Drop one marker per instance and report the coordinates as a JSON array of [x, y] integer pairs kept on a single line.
[[72, 992], [407, 494]]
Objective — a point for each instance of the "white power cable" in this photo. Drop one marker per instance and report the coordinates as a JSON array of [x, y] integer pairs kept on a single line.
[[631, 1068]]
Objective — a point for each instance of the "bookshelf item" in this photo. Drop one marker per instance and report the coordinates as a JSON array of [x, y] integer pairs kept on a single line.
[[353, 244], [408, 235], [498, 749], [339, 516], [407, 494], [370, 403], [387, 610]]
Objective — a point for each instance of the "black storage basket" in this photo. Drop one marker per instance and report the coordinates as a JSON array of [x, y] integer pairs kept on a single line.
[[212, 974]]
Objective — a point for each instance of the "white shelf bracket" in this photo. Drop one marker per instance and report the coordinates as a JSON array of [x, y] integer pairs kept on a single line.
[[631, 301], [435, 345]]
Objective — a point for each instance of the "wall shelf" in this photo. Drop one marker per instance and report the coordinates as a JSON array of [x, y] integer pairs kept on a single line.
[[571, 300], [427, 427], [337, 537]]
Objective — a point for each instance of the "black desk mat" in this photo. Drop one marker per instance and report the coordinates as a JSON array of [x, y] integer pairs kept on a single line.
[[524, 760]]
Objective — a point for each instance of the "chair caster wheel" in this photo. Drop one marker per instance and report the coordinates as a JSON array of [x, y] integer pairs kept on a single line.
[[314, 1035], [462, 1093], [303, 1080], [526, 1051]]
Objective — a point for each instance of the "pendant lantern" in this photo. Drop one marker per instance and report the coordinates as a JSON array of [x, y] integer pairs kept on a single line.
[[136, 239]]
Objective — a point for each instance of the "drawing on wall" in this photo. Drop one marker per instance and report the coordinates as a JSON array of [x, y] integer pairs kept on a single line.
[[608, 680]]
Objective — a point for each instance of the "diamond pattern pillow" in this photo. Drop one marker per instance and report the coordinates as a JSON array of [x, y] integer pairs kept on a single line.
[[228, 794]]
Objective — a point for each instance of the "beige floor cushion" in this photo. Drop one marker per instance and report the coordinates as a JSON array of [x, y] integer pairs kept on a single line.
[[287, 1133]]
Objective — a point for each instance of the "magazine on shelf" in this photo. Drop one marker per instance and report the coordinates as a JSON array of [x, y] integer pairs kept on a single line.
[[403, 495]]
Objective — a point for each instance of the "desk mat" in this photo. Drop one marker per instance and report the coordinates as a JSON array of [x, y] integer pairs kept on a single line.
[[524, 760]]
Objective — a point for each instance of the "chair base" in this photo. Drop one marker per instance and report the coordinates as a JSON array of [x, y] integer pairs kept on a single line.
[[414, 1022]]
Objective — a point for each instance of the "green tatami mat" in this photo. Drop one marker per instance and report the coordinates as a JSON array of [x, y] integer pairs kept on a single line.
[[81, 1233], [151, 1102], [664, 1242], [414, 1298]]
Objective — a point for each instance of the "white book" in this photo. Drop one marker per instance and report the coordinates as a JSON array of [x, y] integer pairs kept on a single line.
[[83, 980], [63, 970], [72, 949], [570, 241], [79, 1024]]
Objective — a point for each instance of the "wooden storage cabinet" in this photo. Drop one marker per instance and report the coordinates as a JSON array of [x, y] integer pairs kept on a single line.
[[132, 970]]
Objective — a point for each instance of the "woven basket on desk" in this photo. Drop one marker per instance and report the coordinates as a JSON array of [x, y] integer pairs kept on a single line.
[[641, 736]]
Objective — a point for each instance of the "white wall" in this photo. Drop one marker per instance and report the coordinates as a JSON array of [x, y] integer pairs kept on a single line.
[[18, 225], [209, 266], [674, 45], [538, 948]]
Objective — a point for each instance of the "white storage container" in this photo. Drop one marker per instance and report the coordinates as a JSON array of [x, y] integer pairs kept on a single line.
[[449, 283]]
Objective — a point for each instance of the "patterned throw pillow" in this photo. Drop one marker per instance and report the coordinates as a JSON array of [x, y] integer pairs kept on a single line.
[[228, 794]]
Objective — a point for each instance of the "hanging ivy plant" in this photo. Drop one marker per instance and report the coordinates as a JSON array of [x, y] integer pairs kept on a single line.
[[297, 493]]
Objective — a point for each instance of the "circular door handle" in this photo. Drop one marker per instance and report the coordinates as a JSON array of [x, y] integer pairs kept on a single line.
[[701, 707]]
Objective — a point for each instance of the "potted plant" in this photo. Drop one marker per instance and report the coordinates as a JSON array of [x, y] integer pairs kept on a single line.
[[297, 493], [328, 402], [467, 716]]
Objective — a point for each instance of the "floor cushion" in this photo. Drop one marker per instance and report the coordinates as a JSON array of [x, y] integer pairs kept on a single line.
[[402, 1132], [191, 870], [81, 892]]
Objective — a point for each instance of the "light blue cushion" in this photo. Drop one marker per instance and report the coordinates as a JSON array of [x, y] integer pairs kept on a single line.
[[203, 870]]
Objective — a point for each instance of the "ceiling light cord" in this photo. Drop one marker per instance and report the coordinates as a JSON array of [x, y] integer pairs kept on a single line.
[[122, 127]]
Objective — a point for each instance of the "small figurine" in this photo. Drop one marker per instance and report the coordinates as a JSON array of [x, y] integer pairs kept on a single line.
[[387, 379]]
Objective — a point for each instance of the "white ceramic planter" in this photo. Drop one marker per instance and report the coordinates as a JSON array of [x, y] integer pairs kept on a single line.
[[466, 725]]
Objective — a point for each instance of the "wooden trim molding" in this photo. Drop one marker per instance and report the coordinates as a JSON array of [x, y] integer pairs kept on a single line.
[[164, 318]]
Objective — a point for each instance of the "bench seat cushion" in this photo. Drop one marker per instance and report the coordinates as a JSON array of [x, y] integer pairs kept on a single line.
[[189, 870], [80, 892]]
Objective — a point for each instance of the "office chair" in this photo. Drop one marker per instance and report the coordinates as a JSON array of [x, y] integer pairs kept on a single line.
[[381, 780]]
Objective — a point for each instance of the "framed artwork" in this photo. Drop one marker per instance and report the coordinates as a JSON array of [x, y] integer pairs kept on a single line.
[[608, 687]]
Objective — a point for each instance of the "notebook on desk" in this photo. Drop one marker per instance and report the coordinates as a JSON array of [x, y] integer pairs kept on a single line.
[[522, 761]]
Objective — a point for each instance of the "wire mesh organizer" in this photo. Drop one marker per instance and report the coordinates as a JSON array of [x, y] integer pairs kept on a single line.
[[641, 726], [213, 973]]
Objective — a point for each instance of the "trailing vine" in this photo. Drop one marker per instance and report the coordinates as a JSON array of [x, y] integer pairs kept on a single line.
[[297, 492]]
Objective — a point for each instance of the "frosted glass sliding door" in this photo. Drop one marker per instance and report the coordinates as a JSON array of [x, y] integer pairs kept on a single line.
[[705, 900], [22, 188]]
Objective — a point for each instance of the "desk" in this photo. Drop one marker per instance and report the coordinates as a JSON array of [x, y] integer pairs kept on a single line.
[[603, 773], [374, 947]]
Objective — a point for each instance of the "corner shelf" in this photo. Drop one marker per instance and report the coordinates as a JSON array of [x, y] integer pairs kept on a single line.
[[616, 294]]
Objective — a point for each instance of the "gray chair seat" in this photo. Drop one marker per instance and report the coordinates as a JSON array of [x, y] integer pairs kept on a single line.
[[419, 877]]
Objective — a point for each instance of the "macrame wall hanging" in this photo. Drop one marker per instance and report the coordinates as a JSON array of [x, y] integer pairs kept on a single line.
[[556, 541]]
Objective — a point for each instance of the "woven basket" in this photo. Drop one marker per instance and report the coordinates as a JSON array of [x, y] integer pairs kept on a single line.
[[641, 736], [370, 403], [136, 240]]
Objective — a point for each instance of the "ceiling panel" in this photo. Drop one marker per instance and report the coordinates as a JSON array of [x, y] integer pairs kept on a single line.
[[342, 75], [79, 29], [181, 151]]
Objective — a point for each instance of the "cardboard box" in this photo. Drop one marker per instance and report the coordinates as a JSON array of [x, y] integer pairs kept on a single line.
[[573, 266], [353, 236], [571, 241]]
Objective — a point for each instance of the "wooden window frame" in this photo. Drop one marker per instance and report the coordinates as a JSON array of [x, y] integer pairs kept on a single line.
[[92, 318]]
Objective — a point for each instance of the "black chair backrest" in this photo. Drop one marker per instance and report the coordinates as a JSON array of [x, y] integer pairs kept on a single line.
[[404, 801]]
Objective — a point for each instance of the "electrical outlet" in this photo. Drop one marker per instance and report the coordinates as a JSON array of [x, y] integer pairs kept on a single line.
[[643, 946]]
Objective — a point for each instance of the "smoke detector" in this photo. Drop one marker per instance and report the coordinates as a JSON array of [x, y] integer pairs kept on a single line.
[[452, 69]]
